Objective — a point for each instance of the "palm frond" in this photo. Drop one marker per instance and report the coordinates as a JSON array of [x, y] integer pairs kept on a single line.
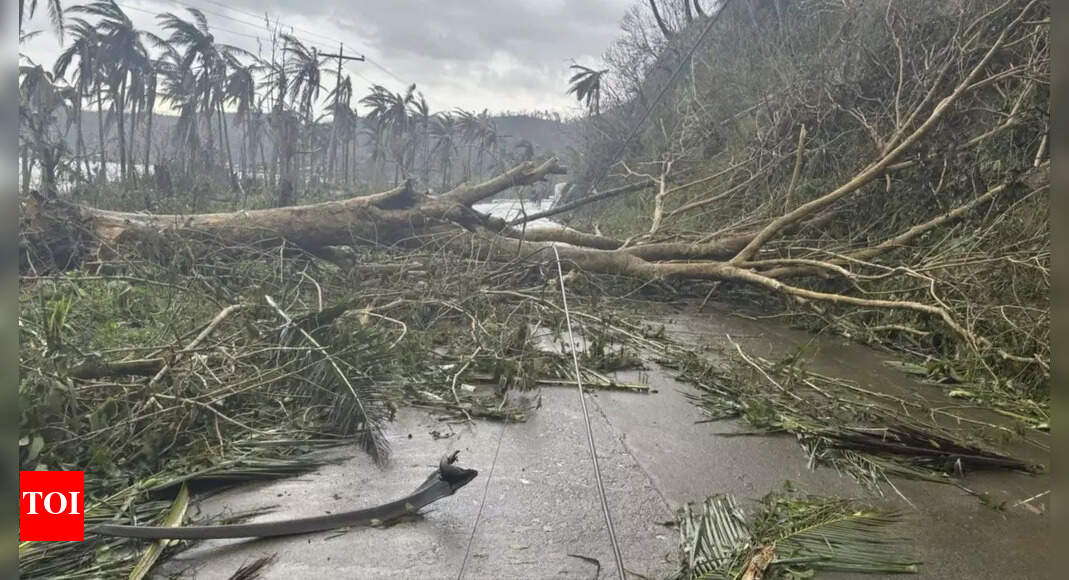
[[799, 534]]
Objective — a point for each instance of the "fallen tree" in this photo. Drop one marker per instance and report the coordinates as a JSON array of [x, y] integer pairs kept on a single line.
[[747, 253], [403, 216]]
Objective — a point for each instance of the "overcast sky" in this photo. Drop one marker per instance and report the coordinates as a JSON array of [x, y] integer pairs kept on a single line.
[[474, 54]]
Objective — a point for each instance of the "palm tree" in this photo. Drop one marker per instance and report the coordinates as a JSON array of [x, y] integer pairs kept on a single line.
[[444, 131], [340, 106], [123, 56], [586, 86], [178, 87], [303, 67], [390, 111], [85, 47], [208, 62], [421, 115], [469, 129], [241, 93], [40, 100], [486, 138], [55, 15], [375, 132]]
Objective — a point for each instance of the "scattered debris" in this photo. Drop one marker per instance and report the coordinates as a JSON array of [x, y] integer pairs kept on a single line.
[[865, 433], [789, 536]]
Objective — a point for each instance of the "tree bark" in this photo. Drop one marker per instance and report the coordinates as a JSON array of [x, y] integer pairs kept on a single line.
[[385, 217], [403, 216]]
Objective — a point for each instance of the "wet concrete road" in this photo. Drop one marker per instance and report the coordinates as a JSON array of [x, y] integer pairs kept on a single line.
[[541, 505]]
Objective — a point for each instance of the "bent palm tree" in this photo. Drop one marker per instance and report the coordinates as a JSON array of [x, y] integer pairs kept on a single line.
[[123, 59], [586, 86], [390, 111], [85, 48], [443, 132], [55, 15]]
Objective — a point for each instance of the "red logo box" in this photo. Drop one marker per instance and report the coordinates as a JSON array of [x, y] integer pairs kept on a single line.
[[51, 506]]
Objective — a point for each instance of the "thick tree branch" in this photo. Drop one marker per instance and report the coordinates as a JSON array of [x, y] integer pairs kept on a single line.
[[525, 173], [875, 169]]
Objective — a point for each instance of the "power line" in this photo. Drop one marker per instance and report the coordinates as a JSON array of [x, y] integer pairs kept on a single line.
[[373, 63], [154, 13], [268, 16], [616, 553], [291, 27], [387, 71]]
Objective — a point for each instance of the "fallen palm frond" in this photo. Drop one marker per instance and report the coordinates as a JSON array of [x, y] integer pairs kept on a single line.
[[789, 536], [865, 433], [252, 570], [173, 518], [151, 375]]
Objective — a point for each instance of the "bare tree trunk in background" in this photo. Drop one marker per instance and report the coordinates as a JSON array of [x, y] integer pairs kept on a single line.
[[224, 141], [102, 172], [148, 140], [80, 136], [135, 114], [120, 114], [26, 160]]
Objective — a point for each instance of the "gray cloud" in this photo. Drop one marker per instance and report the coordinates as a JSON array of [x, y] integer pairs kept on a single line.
[[473, 54]]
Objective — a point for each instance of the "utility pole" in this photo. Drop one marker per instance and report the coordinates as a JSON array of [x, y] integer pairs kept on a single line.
[[341, 56]]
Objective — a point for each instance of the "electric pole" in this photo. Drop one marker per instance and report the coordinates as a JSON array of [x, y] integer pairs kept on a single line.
[[341, 56]]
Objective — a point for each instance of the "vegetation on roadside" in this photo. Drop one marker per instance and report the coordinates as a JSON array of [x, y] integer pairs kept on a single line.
[[876, 169], [815, 122]]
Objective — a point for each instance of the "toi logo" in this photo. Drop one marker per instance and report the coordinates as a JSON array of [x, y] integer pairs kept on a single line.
[[51, 506]]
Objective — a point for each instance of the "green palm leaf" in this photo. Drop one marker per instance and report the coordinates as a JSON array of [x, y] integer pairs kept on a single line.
[[805, 534]]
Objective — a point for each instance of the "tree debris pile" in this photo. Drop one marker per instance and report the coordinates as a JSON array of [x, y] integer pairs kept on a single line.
[[789, 535], [868, 434], [211, 364]]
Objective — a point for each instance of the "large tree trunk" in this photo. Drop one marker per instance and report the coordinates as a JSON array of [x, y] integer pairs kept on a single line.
[[402, 216], [384, 217]]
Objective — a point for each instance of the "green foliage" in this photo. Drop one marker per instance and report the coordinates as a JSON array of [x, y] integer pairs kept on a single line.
[[850, 74], [860, 431], [803, 533]]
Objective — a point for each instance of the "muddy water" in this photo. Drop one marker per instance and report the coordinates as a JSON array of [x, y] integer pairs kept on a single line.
[[534, 506]]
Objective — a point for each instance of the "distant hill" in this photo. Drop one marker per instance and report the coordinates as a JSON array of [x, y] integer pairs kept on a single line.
[[547, 135]]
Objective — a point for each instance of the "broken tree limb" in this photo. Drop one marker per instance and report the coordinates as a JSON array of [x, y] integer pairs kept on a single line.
[[193, 344], [525, 173], [607, 194], [96, 368]]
